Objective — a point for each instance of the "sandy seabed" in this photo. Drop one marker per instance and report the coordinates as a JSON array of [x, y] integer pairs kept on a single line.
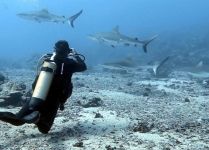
[[136, 111]]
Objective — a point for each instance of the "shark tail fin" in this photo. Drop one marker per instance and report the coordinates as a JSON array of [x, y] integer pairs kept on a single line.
[[73, 18], [158, 66], [145, 43]]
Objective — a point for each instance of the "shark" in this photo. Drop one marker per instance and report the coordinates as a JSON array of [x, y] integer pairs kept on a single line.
[[44, 15], [157, 67], [116, 38]]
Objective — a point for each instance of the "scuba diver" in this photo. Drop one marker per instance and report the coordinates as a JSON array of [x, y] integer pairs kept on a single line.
[[51, 88]]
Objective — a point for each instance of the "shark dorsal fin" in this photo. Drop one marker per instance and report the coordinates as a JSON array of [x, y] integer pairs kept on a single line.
[[44, 11], [116, 29]]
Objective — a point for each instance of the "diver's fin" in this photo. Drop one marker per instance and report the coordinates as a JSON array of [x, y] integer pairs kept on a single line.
[[72, 18], [11, 118], [14, 120], [145, 43]]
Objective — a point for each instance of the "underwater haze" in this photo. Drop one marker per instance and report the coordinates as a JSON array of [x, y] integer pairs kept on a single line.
[[181, 26], [146, 86]]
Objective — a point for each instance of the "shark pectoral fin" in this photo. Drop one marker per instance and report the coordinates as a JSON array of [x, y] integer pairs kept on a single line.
[[73, 18]]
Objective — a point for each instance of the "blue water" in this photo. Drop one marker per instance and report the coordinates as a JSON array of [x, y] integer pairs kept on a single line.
[[20, 38]]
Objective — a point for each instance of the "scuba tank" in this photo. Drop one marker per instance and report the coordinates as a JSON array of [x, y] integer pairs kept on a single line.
[[43, 83]]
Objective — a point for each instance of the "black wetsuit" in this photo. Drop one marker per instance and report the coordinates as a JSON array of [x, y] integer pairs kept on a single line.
[[60, 91]]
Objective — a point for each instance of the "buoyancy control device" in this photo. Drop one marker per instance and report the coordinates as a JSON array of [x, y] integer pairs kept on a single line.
[[43, 83]]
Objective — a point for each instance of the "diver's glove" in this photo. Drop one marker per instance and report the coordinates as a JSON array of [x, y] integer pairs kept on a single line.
[[73, 52], [62, 107]]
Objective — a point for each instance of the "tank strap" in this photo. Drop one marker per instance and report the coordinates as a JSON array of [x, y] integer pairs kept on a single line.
[[62, 68], [47, 69], [41, 61]]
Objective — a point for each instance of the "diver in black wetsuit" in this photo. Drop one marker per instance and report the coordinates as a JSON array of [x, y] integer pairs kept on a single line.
[[43, 113]]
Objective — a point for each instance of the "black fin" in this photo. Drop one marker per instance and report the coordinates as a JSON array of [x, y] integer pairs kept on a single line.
[[116, 29], [11, 118], [74, 17], [144, 46], [161, 64]]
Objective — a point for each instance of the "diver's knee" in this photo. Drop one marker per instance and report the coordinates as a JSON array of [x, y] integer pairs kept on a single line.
[[35, 103], [43, 130], [43, 127]]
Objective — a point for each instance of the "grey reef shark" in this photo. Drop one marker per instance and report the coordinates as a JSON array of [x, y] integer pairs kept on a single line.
[[115, 38], [45, 16]]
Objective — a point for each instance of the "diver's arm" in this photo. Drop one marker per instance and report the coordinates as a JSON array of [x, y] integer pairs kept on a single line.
[[78, 63]]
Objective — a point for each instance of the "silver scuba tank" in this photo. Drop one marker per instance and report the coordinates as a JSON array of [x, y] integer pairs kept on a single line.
[[43, 83]]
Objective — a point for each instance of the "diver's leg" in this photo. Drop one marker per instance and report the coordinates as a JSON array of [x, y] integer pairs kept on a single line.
[[25, 115], [14, 119], [24, 110], [46, 119], [11, 118]]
